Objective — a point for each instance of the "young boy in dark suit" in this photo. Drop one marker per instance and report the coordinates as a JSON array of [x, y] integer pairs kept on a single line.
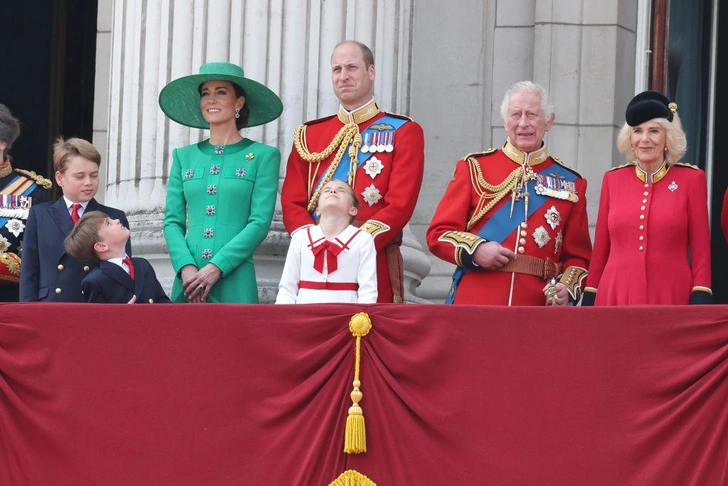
[[118, 279], [47, 272]]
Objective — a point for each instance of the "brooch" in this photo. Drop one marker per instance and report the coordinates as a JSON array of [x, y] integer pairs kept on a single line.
[[15, 226], [672, 186]]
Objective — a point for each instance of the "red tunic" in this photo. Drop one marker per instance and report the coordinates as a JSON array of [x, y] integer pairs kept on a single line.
[[647, 234], [398, 184], [567, 243]]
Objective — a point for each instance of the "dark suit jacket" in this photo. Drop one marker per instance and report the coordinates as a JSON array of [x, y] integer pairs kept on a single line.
[[47, 272], [109, 283]]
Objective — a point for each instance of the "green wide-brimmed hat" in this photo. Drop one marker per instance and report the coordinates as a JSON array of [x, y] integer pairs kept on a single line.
[[180, 99]]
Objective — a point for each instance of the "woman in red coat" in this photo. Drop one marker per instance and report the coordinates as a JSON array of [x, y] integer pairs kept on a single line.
[[652, 241]]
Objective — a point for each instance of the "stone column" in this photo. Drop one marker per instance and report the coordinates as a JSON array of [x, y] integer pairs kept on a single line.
[[284, 44]]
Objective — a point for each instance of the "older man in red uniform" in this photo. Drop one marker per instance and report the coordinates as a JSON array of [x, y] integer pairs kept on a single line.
[[514, 219], [380, 155]]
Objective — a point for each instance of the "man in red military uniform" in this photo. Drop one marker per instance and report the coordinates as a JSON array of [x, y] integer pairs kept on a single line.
[[380, 155], [514, 220]]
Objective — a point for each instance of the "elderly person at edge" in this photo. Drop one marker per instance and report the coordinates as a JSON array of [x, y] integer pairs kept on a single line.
[[222, 191], [514, 219], [652, 240]]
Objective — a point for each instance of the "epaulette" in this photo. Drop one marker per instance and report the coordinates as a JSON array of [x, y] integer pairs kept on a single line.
[[622, 166], [319, 120], [397, 115], [686, 164], [478, 154], [40, 180], [558, 161]]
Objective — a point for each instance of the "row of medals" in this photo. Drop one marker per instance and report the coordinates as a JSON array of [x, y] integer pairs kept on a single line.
[[381, 142]]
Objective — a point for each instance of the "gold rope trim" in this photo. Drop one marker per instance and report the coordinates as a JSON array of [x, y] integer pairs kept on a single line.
[[352, 478], [348, 135], [488, 192], [355, 437]]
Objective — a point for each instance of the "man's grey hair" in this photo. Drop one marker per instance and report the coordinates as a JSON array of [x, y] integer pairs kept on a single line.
[[546, 105]]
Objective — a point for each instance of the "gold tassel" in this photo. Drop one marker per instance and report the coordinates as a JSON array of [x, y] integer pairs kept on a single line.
[[355, 437], [352, 478]]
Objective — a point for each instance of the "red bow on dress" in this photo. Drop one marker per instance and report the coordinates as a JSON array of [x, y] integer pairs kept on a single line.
[[331, 250]]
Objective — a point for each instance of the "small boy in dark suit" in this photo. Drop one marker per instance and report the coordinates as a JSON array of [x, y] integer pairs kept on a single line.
[[118, 279]]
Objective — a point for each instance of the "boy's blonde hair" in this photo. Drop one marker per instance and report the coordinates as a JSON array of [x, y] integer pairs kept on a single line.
[[65, 150], [85, 234]]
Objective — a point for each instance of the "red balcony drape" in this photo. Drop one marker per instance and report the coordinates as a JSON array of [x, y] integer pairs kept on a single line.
[[258, 394]]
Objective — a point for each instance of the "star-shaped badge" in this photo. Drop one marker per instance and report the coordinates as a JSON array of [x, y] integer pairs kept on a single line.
[[371, 195], [15, 226], [553, 217], [373, 167], [541, 236]]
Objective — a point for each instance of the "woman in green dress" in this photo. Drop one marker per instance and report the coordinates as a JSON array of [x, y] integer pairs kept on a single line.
[[222, 191]]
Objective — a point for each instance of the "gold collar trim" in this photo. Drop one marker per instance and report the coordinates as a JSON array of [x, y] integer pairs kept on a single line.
[[5, 168], [359, 115], [655, 177], [531, 158]]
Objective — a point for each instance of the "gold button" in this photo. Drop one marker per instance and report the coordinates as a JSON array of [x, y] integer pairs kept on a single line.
[[642, 227], [647, 185], [521, 250], [642, 216], [646, 193], [60, 268], [524, 233], [86, 268], [524, 225], [642, 208], [58, 290], [644, 201], [522, 241], [641, 248], [151, 301], [642, 238]]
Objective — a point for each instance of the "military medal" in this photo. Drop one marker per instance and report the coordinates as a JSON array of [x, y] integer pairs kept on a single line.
[[672, 186], [381, 146], [390, 138], [12, 206], [15, 226], [373, 146], [556, 186], [365, 145]]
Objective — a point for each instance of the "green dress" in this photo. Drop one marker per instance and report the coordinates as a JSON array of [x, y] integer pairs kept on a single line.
[[219, 209]]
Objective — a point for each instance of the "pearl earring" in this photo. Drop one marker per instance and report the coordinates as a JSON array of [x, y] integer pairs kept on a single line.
[[237, 112]]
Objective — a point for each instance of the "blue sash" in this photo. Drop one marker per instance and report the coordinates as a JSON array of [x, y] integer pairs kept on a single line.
[[30, 189], [501, 225], [342, 171]]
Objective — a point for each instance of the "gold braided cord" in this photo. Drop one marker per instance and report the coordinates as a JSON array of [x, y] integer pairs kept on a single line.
[[348, 135], [489, 194]]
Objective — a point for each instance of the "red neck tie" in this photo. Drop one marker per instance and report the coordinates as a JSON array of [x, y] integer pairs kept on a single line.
[[74, 212], [331, 250], [129, 264]]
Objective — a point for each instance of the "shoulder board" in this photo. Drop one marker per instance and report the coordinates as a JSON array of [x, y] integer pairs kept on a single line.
[[479, 154], [686, 164], [558, 161], [397, 115], [40, 180], [319, 120], [622, 166]]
